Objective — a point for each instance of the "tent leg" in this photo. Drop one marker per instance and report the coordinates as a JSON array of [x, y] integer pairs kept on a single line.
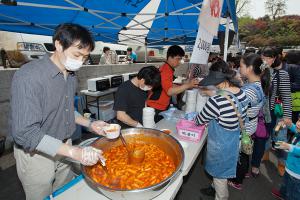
[[146, 59], [226, 39]]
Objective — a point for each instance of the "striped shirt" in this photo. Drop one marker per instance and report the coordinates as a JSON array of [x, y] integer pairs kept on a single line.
[[220, 109], [284, 91], [253, 111], [42, 106]]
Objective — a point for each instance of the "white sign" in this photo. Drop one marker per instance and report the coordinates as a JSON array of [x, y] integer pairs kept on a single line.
[[202, 46], [209, 20], [209, 17]]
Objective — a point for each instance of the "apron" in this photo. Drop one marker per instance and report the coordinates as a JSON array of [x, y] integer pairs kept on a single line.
[[222, 149]]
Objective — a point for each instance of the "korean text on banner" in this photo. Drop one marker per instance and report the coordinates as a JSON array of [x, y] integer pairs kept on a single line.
[[202, 46], [209, 17]]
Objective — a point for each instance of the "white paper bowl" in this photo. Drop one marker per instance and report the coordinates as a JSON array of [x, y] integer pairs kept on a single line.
[[112, 131]]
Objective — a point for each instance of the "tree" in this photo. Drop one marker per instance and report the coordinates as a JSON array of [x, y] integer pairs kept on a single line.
[[275, 8], [284, 31], [241, 7]]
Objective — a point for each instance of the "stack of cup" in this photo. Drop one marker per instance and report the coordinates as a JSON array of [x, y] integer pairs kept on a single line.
[[191, 100], [201, 101], [148, 117]]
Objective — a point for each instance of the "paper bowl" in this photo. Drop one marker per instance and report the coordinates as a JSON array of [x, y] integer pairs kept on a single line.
[[112, 131]]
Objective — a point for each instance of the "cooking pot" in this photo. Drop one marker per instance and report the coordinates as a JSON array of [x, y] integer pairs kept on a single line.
[[165, 142]]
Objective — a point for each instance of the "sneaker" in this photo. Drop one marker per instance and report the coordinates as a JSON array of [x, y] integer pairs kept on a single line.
[[210, 191], [248, 175], [254, 172], [276, 193], [235, 185]]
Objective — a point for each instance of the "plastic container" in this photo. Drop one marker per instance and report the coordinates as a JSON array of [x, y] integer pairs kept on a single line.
[[187, 130], [106, 111]]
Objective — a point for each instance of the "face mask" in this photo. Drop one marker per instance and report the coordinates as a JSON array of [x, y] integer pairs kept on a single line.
[[265, 62], [181, 61], [146, 88], [72, 64]]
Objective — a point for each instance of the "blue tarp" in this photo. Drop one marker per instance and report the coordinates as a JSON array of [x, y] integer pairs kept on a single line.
[[106, 18]]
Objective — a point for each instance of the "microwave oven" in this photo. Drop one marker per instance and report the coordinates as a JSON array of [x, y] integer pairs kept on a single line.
[[98, 84]]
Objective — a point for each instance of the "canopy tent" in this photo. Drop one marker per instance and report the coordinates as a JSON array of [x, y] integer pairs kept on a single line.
[[155, 22]]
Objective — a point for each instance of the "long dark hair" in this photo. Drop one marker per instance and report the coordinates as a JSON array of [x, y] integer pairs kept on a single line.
[[222, 66], [272, 52], [259, 69]]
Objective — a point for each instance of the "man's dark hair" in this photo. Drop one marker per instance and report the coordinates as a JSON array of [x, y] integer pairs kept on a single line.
[[293, 57], [250, 50], [105, 49], [175, 50], [129, 49], [68, 34], [279, 50], [151, 75]]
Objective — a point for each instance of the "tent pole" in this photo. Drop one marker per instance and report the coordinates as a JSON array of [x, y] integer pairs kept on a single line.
[[226, 39], [146, 59]]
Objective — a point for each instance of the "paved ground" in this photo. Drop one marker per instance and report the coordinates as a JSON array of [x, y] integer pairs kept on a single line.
[[253, 189]]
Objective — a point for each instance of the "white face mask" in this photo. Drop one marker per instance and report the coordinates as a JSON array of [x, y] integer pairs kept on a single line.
[[265, 62], [72, 64], [146, 88], [181, 61]]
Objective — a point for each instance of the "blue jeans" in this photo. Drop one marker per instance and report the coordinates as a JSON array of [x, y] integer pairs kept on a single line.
[[281, 136], [290, 188]]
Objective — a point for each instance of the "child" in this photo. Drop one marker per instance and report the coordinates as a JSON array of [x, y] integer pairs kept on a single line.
[[290, 188]]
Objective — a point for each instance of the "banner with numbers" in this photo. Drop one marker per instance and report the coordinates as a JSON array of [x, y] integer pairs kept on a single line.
[[209, 20], [202, 46]]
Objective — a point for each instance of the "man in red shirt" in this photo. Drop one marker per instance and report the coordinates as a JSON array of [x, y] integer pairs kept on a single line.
[[160, 98]]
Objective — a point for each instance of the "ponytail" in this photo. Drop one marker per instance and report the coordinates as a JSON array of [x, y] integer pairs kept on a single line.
[[259, 69]]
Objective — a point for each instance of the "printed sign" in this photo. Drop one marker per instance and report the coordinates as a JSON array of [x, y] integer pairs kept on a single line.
[[209, 17], [202, 46], [209, 20]]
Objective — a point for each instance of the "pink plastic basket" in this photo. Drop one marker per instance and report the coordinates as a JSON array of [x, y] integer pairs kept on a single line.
[[187, 130]]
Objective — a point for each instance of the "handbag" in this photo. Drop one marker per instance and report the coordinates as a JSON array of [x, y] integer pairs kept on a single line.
[[261, 130], [278, 110], [246, 140]]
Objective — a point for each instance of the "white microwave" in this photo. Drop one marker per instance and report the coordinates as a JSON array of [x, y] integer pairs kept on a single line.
[[98, 84]]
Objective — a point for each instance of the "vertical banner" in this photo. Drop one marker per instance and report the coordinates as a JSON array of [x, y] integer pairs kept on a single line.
[[210, 14], [209, 20], [202, 46]]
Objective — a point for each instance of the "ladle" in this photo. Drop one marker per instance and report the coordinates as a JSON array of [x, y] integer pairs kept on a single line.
[[135, 156], [113, 181]]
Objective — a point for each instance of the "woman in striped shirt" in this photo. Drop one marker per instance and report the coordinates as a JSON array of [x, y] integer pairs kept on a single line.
[[223, 129], [281, 90], [255, 72]]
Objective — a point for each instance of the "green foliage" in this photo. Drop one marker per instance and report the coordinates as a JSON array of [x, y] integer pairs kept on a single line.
[[284, 31]]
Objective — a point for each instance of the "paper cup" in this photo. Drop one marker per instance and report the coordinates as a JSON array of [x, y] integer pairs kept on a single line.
[[112, 131]]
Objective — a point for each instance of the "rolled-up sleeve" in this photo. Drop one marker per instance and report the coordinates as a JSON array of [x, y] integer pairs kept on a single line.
[[26, 112]]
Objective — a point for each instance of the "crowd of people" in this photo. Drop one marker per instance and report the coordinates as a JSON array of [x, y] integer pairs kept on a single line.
[[255, 93], [269, 83], [252, 103], [110, 57]]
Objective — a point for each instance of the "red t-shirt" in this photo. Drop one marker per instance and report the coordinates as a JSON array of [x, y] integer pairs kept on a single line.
[[162, 103]]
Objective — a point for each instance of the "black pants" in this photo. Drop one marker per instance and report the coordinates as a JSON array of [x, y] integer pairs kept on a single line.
[[295, 115], [258, 151], [157, 117], [241, 169]]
